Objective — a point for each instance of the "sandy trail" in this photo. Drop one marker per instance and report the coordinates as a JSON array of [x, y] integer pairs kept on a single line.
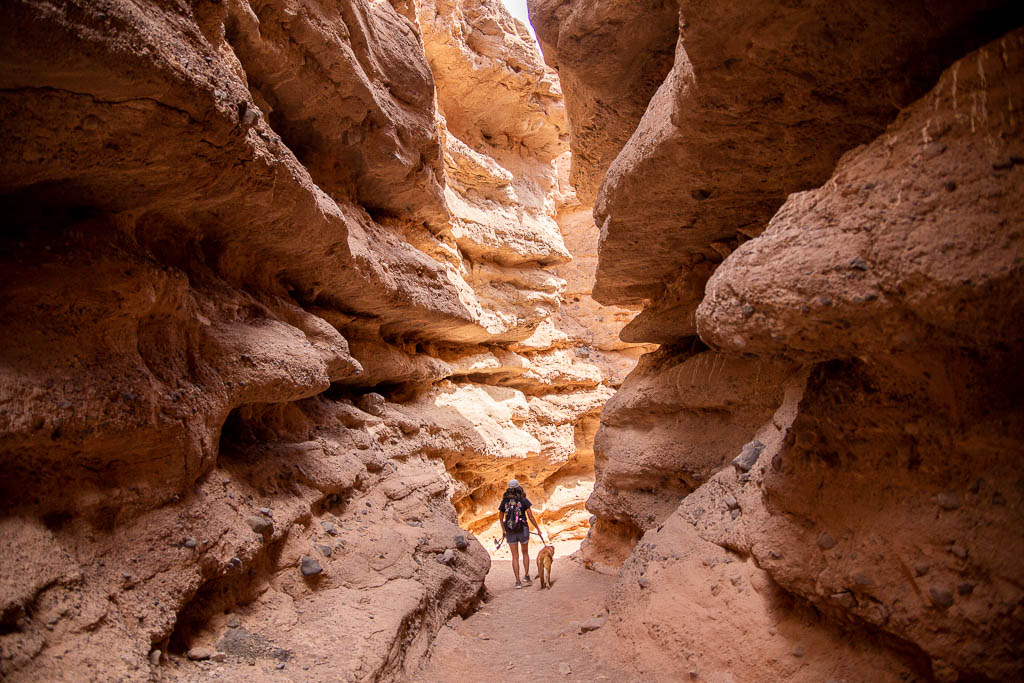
[[530, 634]]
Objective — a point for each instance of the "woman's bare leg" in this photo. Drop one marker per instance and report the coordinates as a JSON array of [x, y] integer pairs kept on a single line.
[[524, 548], [515, 560]]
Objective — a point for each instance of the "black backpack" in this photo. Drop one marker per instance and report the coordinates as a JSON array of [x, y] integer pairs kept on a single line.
[[515, 520]]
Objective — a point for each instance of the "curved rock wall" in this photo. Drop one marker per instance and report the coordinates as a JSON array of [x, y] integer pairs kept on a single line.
[[278, 290], [819, 212]]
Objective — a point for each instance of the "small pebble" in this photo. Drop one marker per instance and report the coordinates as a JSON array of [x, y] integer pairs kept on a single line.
[[200, 653], [845, 599], [190, 543], [941, 597], [825, 541], [863, 579], [309, 566], [260, 525], [748, 456], [280, 666]]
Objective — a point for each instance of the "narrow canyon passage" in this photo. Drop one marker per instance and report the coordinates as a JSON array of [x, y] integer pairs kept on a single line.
[[291, 289], [533, 634]]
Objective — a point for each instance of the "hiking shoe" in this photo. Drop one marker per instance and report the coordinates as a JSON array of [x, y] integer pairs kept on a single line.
[[527, 581], [518, 584]]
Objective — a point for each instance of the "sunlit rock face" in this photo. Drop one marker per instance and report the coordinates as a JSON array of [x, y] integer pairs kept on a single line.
[[281, 308], [819, 213]]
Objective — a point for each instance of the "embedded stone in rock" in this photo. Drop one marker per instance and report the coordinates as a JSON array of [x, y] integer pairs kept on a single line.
[[190, 542], [748, 456], [863, 579], [154, 657], [593, 624], [460, 541], [447, 557], [372, 403], [201, 653], [325, 550], [941, 596], [825, 541], [260, 525], [329, 527], [309, 566], [731, 503], [844, 598]]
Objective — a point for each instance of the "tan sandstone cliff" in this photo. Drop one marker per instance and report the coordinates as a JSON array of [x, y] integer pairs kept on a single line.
[[819, 209], [278, 285]]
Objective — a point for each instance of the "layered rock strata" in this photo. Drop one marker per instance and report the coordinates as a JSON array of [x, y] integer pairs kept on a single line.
[[819, 211], [278, 282]]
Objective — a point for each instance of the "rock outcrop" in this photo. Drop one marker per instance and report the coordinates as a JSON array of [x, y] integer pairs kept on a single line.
[[819, 211], [278, 289]]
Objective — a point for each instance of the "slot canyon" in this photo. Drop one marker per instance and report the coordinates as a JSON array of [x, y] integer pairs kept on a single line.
[[291, 289]]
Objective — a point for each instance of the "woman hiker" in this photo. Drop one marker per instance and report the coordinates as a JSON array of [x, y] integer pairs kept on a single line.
[[514, 511]]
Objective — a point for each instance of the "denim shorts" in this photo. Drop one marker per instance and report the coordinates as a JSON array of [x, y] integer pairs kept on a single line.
[[518, 536]]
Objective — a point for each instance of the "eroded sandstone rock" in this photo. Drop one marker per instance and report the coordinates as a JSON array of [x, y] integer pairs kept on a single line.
[[282, 256], [887, 300]]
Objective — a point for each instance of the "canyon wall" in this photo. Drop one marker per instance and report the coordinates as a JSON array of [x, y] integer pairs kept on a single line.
[[818, 207], [279, 280]]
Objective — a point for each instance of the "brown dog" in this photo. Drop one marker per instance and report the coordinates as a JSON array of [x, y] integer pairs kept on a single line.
[[544, 559]]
